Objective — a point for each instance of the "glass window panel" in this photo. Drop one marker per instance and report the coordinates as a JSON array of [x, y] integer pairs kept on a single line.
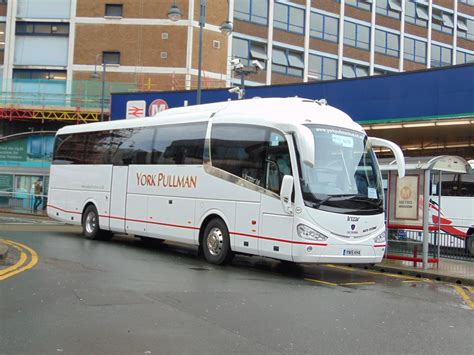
[[329, 68], [448, 20], [331, 27], [281, 13], [111, 57], [258, 51], [259, 7], [422, 12], [240, 48], [279, 57], [348, 71], [395, 5], [295, 60], [113, 10]]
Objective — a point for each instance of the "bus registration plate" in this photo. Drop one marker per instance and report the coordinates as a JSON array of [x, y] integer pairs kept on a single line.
[[351, 252]]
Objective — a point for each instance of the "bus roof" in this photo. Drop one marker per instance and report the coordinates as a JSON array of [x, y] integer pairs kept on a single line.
[[275, 112]]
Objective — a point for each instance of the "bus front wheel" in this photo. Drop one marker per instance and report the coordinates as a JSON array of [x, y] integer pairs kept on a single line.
[[90, 225], [216, 243]]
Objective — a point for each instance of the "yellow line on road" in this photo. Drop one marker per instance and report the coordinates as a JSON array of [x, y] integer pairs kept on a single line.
[[376, 273], [322, 282], [470, 289], [358, 283], [417, 280], [15, 266], [464, 296], [19, 266]]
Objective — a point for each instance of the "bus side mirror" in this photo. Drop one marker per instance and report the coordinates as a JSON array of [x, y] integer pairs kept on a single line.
[[285, 193], [397, 152]]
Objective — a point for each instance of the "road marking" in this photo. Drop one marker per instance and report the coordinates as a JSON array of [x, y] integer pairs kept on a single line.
[[322, 282], [418, 280], [20, 265], [15, 266], [358, 283], [470, 289], [404, 277], [464, 296]]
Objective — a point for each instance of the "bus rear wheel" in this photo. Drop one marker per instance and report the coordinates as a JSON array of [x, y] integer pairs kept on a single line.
[[90, 225], [216, 243]]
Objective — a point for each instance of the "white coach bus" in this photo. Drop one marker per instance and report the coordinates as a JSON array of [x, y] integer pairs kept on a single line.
[[291, 179]]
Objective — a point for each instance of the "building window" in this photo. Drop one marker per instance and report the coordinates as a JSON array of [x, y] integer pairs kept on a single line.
[[352, 70], [415, 50], [288, 18], [468, 2], [113, 10], [322, 68], [390, 8], [361, 4], [442, 21], [440, 56], [111, 57], [287, 62], [247, 50], [42, 29], [466, 28], [463, 57], [387, 43], [37, 74], [324, 27], [416, 13], [255, 11], [356, 35]]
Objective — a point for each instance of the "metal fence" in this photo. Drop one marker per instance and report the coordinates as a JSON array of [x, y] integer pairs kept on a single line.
[[409, 243], [22, 202], [85, 94]]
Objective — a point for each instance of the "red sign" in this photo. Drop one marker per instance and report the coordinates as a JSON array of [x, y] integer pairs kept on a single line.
[[156, 106]]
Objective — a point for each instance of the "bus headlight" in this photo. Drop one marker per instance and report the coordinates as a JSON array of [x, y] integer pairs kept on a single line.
[[306, 232], [380, 238]]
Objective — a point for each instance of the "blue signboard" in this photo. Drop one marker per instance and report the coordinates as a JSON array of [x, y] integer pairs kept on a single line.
[[433, 93]]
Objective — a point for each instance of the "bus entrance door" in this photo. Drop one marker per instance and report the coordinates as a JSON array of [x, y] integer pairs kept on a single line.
[[276, 230], [118, 198]]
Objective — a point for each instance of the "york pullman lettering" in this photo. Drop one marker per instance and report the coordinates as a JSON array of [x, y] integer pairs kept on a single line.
[[163, 180]]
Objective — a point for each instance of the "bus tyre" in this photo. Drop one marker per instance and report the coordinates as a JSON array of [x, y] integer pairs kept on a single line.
[[216, 243], [90, 225]]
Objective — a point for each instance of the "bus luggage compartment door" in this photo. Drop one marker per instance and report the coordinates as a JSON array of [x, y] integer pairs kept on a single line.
[[118, 197]]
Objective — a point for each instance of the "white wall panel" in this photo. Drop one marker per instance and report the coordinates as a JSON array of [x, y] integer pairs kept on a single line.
[[41, 50]]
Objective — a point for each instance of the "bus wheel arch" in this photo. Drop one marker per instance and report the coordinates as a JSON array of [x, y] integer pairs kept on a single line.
[[214, 240]]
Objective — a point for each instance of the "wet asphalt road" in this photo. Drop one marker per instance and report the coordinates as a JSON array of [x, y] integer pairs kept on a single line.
[[88, 297]]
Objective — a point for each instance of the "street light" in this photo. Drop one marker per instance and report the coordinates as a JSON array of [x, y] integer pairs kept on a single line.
[[174, 14], [95, 75]]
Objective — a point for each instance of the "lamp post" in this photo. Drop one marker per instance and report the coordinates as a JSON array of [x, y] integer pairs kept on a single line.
[[95, 75], [174, 14]]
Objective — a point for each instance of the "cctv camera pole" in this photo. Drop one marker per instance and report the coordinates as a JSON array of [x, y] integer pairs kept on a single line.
[[242, 86]]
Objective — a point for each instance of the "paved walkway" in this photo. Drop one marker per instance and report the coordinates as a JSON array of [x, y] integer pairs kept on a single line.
[[450, 270]]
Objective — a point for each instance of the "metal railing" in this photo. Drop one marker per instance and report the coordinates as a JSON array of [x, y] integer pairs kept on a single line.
[[407, 242], [84, 94], [23, 202]]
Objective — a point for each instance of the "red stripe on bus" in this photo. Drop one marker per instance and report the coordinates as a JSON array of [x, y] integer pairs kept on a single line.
[[277, 240], [60, 209], [380, 246]]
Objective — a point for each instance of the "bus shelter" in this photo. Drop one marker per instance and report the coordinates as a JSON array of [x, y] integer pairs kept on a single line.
[[414, 206]]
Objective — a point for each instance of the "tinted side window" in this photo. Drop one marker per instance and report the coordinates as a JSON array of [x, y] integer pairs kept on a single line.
[[240, 151], [132, 146], [180, 144], [70, 149], [98, 148], [256, 154]]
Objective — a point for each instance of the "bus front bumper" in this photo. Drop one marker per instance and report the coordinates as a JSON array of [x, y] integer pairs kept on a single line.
[[343, 254]]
